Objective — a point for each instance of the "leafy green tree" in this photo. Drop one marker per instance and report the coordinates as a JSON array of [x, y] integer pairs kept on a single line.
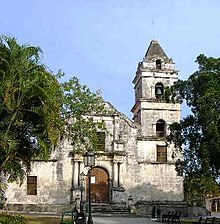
[[80, 111], [198, 134], [37, 110], [199, 186]]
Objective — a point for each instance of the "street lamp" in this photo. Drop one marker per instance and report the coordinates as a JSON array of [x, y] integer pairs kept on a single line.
[[89, 161], [81, 191], [81, 219]]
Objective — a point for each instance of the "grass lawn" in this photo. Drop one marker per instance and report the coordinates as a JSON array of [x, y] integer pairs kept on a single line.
[[42, 219]]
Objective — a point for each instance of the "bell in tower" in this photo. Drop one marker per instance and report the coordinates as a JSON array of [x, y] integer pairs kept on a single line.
[[159, 91]]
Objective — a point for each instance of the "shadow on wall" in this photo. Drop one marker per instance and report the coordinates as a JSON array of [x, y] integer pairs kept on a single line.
[[149, 192], [162, 201]]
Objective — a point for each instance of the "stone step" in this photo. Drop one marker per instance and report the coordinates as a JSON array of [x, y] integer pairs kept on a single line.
[[109, 210]]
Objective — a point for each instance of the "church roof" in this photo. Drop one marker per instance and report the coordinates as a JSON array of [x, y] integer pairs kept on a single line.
[[155, 51], [113, 110]]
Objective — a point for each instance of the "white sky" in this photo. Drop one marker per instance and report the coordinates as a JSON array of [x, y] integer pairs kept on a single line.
[[101, 41]]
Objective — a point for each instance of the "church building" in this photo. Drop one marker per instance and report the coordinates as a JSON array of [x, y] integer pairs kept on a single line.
[[136, 161]]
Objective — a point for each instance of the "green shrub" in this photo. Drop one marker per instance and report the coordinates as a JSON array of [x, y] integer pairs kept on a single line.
[[6, 218]]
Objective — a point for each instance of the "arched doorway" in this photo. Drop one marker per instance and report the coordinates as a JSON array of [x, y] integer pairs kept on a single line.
[[99, 185]]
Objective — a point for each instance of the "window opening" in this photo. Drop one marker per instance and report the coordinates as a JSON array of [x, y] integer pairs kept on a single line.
[[100, 140], [160, 128], [31, 185], [158, 64], [161, 154]]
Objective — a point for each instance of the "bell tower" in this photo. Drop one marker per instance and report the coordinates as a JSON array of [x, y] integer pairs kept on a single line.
[[150, 110], [154, 115]]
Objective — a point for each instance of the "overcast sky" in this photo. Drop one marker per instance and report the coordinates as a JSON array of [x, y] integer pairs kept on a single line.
[[101, 41]]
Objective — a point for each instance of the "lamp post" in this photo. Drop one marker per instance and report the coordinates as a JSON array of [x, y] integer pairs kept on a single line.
[[89, 161], [81, 191]]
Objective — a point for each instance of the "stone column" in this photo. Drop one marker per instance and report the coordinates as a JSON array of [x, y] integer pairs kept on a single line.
[[119, 178], [81, 167], [115, 176], [110, 189], [75, 174]]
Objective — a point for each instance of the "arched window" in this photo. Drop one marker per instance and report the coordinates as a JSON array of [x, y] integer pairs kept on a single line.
[[159, 91], [160, 128], [158, 64]]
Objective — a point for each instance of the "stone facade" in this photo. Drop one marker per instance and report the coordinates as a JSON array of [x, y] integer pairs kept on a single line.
[[137, 162]]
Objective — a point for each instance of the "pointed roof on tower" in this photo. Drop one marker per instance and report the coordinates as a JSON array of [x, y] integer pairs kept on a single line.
[[155, 51]]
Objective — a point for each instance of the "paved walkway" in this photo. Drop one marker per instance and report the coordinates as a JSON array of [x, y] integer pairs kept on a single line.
[[121, 220], [100, 219], [127, 220]]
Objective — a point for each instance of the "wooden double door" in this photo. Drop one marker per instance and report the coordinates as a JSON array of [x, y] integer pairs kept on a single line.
[[99, 185]]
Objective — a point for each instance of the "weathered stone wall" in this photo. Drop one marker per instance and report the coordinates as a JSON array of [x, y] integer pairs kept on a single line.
[[53, 181], [140, 176], [147, 180]]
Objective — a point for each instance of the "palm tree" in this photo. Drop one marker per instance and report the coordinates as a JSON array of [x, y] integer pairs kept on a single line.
[[31, 99]]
